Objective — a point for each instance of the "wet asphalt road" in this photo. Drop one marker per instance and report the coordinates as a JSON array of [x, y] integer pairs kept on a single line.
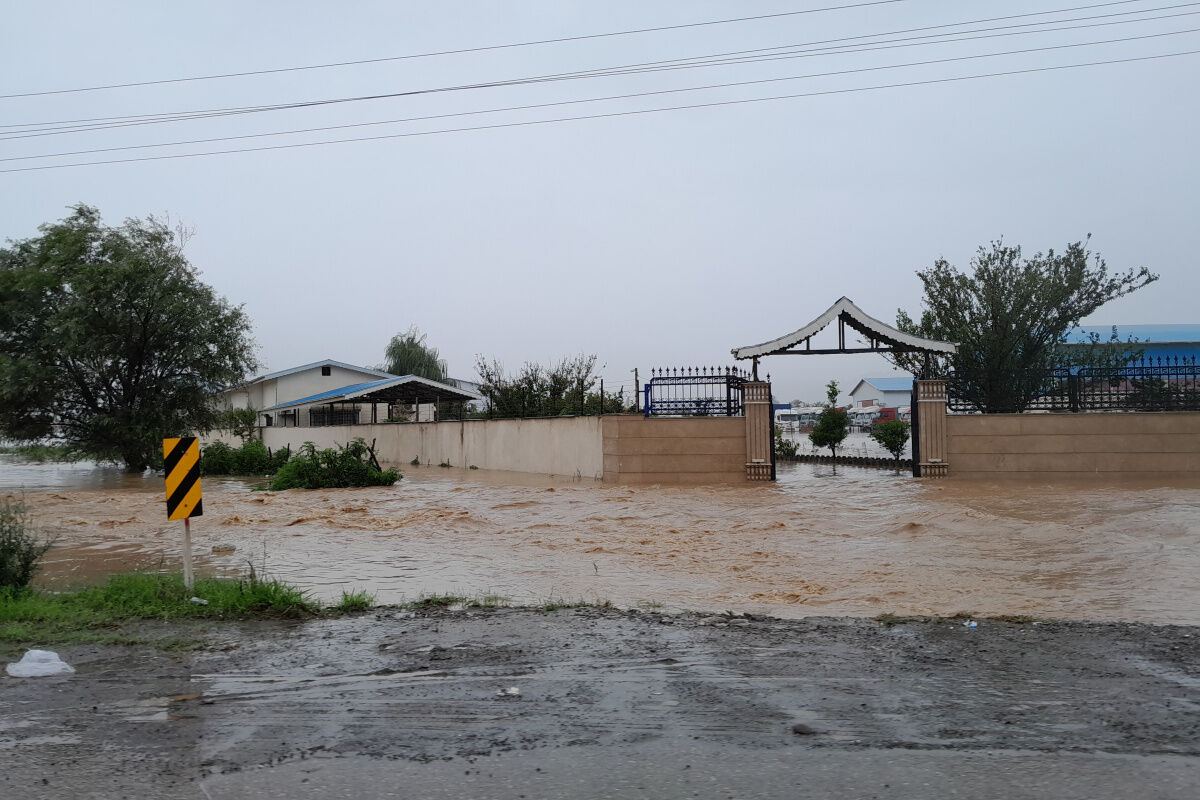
[[616, 704]]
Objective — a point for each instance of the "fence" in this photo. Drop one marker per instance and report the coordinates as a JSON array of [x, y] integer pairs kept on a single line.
[[1152, 384], [696, 392]]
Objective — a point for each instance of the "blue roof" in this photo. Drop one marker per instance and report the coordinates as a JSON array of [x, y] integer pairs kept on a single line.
[[1143, 333], [333, 393]]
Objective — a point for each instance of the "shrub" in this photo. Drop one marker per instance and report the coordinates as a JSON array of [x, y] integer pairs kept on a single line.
[[352, 464], [20, 547], [833, 425], [891, 436], [252, 458], [785, 448], [216, 459]]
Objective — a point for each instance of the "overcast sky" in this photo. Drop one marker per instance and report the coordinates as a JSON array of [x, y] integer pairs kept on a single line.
[[654, 239]]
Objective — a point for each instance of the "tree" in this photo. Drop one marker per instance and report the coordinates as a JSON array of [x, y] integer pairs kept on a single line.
[[891, 435], [110, 342], [833, 424], [538, 391], [1008, 316], [407, 354]]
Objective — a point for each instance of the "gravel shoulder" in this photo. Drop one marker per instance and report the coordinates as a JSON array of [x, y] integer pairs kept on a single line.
[[597, 703]]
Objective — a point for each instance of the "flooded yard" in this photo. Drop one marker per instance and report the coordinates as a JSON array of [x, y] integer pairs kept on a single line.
[[822, 541]]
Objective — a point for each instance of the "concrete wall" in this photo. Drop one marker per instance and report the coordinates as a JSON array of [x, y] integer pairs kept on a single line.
[[624, 449], [555, 446], [1063, 445], [638, 450]]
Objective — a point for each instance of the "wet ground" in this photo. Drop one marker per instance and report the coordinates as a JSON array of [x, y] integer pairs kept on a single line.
[[824, 540], [590, 703]]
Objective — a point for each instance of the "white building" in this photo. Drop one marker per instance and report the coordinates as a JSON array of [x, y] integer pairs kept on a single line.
[[335, 393], [882, 392]]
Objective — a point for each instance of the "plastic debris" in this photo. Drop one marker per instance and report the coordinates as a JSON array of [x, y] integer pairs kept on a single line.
[[511, 691], [198, 601], [970, 624], [39, 664]]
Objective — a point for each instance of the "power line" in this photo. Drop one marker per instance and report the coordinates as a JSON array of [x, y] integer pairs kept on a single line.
[[461, 51], [614, 114], [64, 127], [603, 99]]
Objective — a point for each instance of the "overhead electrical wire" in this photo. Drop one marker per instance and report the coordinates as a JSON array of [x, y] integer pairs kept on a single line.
[[65, 127], [614, 114], [629, 96], [461, 51]]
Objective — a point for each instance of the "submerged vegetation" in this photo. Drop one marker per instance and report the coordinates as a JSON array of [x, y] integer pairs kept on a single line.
[[252, 458], [58, 453], [352, 464], [20, 546]]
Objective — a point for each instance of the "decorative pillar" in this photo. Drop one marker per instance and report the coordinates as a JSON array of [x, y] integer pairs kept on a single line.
[[758, 431], [931, 433]]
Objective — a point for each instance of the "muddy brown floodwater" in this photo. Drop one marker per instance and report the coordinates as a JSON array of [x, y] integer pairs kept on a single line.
[[822, 541]]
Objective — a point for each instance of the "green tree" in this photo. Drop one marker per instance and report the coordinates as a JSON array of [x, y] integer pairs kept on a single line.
[[407, 354], [539, 391], [109, 341], [241, 422], [891, 435], [1009, 315], [833, 424]]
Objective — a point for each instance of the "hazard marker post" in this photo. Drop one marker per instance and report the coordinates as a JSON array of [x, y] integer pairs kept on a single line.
[[181, 460]]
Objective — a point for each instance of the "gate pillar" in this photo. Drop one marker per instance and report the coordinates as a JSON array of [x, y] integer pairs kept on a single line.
[[931, 430], [760, 444]]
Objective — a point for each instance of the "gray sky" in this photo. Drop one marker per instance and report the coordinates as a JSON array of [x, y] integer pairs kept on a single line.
[[652, 239]]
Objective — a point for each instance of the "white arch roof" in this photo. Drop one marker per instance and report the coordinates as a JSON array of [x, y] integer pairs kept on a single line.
[[845, 311]]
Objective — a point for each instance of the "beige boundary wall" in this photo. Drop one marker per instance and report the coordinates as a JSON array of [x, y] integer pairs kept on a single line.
[[1161, 444], [568, 446], [626, 449], [638, 450]]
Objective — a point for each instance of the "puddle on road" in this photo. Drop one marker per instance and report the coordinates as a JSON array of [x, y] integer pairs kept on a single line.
[[822, 541]]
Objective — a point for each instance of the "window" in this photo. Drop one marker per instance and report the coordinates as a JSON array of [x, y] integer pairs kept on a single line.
[[326, 371]]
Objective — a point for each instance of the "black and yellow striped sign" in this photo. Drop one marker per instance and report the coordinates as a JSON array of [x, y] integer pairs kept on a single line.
[[182, 460]]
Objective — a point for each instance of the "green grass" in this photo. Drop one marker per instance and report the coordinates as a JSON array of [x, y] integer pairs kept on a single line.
[[559, 603], [354, 603], [97, 614]]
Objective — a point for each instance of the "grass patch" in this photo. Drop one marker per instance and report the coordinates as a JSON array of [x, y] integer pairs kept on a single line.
[[96, 614], [437, 601], [559, 603], [489, 601], [354, 603]]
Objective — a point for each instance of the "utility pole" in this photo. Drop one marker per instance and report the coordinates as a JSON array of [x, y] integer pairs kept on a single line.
[[637, 392]]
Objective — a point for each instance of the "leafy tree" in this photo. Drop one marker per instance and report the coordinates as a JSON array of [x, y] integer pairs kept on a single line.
[[407, 354], [1008, 316], [538, 391], [891, 435], [833, 424], [241, 422], [110, 342]]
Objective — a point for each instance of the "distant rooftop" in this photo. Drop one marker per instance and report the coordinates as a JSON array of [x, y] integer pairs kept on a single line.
[[1142, 333], [889, 384]]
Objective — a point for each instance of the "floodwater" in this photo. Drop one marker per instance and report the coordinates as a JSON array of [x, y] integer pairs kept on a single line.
[[821, 541]]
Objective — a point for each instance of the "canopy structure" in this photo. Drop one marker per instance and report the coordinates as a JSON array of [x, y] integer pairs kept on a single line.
[[406, 389], [881, 337]]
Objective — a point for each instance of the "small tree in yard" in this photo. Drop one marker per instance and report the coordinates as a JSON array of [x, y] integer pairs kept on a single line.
[[891, 436], [833, 425]]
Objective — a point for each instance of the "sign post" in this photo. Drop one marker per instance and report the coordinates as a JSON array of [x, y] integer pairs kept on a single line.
[[181, 459]]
